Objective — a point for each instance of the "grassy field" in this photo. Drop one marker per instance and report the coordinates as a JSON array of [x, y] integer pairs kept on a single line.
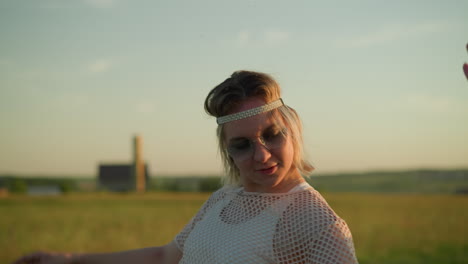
[[387, 228]]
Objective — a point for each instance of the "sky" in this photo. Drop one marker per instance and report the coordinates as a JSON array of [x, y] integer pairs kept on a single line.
[[378, 84]]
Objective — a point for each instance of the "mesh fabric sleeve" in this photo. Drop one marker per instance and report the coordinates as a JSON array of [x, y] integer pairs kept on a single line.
[[311, 232], [182, 236], [334, 245]]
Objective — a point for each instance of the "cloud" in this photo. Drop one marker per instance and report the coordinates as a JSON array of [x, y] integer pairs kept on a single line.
[[276, 37], [100, 66], [392, 33], [270, 37], [243, 38], [100, 3], [144, 108]]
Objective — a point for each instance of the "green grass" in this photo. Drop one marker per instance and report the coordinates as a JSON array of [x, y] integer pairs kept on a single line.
[[398, 228], [387, 228]]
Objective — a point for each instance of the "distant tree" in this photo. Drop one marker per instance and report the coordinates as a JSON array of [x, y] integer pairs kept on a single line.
[[66, 187], [209, 184], [172, 186], [462, 190], [18, 186]]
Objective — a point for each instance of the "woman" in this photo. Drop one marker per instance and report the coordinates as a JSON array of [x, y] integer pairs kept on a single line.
[[266, 212]]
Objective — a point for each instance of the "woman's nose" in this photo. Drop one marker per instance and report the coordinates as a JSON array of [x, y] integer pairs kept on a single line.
[[261, 152]]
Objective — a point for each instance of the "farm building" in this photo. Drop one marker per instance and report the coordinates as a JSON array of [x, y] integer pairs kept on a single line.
[[125, 177], [119, 177]]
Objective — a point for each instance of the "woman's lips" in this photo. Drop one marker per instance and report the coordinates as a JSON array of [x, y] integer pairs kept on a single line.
[[269, 170]]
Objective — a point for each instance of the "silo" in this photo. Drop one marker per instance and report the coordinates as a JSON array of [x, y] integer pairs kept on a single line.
[[138, 164]]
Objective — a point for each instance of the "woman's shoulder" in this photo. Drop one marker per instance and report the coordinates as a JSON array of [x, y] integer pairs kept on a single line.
[[225, 190], [222, 193], [311, 205]]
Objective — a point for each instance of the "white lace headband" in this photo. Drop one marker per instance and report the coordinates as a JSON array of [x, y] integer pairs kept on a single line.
[[251, 112]]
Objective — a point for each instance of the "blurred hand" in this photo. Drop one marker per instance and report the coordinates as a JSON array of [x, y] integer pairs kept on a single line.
[[465, 66], [44, 258], [465, 69]]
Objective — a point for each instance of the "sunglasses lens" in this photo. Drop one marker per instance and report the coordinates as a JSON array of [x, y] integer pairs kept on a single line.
[[274, 140], [240, 150], [243, 149]]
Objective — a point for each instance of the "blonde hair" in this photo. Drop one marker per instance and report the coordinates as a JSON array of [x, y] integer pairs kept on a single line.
[[242, 85]]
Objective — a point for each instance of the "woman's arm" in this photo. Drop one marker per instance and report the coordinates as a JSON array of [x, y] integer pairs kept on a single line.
[[168, 254]]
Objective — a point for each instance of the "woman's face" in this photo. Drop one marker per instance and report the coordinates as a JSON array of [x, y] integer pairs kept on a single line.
[[268, 167]]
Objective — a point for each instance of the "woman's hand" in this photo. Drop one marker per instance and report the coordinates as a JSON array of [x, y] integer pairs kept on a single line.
[[45, 258], [167, 254]]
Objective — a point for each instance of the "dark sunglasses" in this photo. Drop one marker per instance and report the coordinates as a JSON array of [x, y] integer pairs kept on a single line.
[[243, 148]]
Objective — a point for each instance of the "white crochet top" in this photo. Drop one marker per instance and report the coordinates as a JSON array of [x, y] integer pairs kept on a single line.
[[234, 226]]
